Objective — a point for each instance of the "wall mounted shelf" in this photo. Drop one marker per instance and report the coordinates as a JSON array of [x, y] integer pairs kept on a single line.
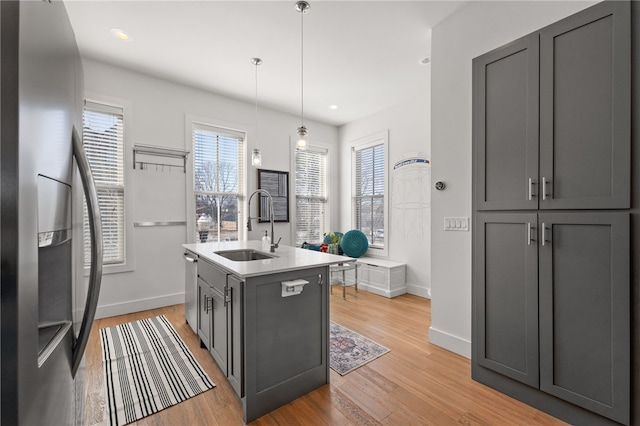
[[174, 157]]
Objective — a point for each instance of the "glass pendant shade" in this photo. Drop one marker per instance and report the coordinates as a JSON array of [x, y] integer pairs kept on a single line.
[[256, 158], [302, 138]]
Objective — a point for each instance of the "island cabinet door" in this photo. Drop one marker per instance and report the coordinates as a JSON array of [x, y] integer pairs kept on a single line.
[[219, 347], [204, 313], [235, 335]]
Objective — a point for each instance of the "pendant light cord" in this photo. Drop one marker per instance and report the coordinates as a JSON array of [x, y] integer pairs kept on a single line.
[[257, 63], [302, 67]]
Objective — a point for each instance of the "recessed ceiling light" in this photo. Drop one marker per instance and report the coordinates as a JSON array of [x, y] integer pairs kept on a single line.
[[120, 34], [333, 107], [424, 61]]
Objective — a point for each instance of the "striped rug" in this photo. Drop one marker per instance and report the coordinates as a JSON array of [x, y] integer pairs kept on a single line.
[[147, 368]]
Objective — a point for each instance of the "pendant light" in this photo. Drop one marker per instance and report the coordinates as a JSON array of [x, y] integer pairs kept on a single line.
[[302, 7], [256, 156]]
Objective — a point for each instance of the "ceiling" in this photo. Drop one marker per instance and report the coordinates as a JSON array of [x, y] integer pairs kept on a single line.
[[362, 56]]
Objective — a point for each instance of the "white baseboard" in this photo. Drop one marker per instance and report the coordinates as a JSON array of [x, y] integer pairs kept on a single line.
[[379, 291], [450, 342], [419, 291], [128, 307]]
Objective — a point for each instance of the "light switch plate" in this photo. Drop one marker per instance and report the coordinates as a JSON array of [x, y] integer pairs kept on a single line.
[[456, 223]]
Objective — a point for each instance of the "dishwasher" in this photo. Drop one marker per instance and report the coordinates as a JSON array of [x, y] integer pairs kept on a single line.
[[191, 290]]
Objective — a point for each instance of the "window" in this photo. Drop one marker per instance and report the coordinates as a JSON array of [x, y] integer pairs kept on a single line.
[[218, 156], [370, 183], [311, 194], [103, 138]]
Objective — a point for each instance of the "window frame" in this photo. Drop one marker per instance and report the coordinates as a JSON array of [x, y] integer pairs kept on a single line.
[[294, 201], [192, 120], [128, 264], [379, 138]]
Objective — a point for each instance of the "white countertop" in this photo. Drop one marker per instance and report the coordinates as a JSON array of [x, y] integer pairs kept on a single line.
[[288, 258]]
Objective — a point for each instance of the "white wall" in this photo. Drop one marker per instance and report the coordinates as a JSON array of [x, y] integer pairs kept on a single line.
[[475, 29], [408, 235], [158, 118]]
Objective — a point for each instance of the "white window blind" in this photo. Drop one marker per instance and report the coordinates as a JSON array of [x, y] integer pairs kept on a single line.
[[369, 192], [311, 194], [103, 138], [218, 168]]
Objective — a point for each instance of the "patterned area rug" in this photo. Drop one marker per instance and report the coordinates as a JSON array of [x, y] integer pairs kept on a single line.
[[147, 368], [349, 350]]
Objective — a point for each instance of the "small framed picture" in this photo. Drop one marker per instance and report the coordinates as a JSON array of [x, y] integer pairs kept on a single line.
[[275, 183]]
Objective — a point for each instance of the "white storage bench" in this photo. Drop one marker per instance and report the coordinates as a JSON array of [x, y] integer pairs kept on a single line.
[[380, 276]]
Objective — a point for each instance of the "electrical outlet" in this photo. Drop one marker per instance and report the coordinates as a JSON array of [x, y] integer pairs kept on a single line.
[[456, 223]]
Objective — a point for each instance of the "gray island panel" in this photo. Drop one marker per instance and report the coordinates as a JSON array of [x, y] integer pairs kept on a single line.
[[277, 346]]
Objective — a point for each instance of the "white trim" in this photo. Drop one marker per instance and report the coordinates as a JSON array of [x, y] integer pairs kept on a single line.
[[105, 311], [129, 185], [419, 291], [362, 143], [381, 292], [450, 342]]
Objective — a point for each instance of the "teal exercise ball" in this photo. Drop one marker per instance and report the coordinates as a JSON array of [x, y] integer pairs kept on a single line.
[[354, 243]]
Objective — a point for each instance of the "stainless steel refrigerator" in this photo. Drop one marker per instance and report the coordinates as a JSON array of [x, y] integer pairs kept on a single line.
[[46, 310]]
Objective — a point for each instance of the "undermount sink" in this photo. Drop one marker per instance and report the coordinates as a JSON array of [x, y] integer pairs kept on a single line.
[[244, 255]]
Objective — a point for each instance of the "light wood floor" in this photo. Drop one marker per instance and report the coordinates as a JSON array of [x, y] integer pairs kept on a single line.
[[417, 383]]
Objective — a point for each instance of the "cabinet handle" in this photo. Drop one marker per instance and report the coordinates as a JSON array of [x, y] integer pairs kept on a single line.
[[319, 279], [531, 194], [544, 188], [529, 228], [208, 304], [544, 238]]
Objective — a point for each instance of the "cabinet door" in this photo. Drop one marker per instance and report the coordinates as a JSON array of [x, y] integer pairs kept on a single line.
[[585, 109], [234, 306], [505, 114], [506, 295], [585, 311], [204, 313], [219, 348]]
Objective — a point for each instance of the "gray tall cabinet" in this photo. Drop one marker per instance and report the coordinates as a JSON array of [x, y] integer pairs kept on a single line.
[[555, 202]]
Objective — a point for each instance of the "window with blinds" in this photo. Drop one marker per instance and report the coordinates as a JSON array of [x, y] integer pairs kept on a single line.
[[103, 138], [218, 156], [311, 195], [369, 197]]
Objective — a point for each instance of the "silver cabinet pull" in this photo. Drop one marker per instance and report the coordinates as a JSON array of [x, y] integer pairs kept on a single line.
[[319, 279], [544, 238], [531, 194], [208, 306], [544, 188], [529, 228]]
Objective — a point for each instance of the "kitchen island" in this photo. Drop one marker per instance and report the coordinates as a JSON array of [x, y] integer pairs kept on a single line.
[[264, 321]]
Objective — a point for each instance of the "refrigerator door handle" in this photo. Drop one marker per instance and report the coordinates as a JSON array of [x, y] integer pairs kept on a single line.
[[95, 273]]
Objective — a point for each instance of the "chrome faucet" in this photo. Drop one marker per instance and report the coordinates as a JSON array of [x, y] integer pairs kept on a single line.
[[274, 244]]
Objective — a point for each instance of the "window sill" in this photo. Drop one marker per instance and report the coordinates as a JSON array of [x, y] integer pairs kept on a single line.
[[114, 269]]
